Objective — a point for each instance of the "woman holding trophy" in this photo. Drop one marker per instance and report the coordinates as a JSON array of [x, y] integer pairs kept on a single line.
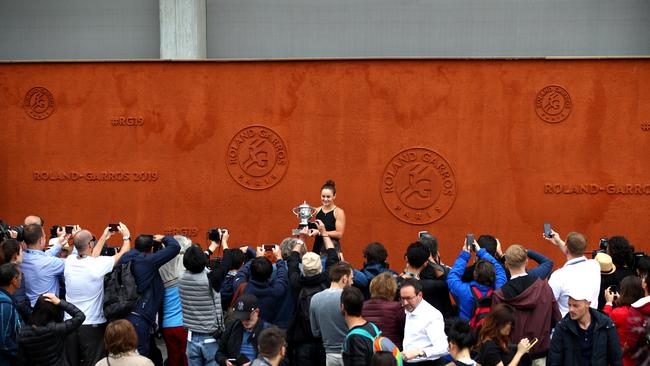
[[332, 216]]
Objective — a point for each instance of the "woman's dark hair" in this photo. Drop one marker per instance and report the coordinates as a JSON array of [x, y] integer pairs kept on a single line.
[[375, 253], [485, 273], [621, 251], [460, 334], [329, 185], [45, 312], [120, 337], [8, 249], [383, 358], [631, 291], [194, 259], [499, 317]]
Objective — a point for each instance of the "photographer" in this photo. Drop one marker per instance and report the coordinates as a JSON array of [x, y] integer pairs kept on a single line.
[[42, 269], [84, 282], [488, 275], [145, 266]]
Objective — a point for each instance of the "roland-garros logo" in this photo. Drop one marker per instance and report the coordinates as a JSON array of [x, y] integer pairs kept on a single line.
[[418, 186]]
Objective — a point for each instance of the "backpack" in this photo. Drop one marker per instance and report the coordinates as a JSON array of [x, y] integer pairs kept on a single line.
[[482, 306], [379, 342], [120, 292], [302, 307]]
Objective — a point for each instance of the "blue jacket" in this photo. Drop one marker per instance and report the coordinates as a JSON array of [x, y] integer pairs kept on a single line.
[[272, 295], [145, 270], [462, 291], [362, 278], [10, 324], [545, 267]]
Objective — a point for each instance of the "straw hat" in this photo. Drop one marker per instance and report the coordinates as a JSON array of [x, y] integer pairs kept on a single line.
[[606, 265]]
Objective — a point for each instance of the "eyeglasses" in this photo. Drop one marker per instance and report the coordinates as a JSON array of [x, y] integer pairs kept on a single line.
[[407, 298]]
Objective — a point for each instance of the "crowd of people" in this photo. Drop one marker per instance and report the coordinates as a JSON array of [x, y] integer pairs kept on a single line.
[[287, 305]]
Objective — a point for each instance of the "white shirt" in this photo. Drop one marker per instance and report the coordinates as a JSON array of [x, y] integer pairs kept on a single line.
[[425, 329], [579, 273], [84, 285]]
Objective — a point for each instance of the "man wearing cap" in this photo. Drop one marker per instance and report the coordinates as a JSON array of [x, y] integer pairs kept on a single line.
[[584, 336], [578, 271], [240, 337], [535, 306], [307, 278]]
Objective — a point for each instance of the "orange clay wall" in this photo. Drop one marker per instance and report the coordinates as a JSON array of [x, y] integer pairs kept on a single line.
[[448, 146]]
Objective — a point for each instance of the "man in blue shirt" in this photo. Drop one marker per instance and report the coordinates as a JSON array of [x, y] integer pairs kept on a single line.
[[41, 269]]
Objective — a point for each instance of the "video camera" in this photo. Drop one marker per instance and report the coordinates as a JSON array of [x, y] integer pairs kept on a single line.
[[602, 247], [4, 231]]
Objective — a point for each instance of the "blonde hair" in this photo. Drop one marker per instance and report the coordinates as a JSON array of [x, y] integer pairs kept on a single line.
[[516, 256], [383, 286]]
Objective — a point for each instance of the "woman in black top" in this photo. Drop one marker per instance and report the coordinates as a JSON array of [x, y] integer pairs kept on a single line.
[[41, 342], [494, 336], [332, 216], [461, 340]]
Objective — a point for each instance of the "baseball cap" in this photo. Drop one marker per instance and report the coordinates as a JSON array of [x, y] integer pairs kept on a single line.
[[244, 306], [579, 293], [311, 264]]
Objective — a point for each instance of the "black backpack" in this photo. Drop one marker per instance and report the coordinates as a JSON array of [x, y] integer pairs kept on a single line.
[[302, 307], [120, 292]]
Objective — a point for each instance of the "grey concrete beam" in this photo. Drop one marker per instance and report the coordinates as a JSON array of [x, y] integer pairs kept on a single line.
[[182, 29]]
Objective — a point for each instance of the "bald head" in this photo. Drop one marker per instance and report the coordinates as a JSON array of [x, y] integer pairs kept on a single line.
[[34, 220], [81, 240]]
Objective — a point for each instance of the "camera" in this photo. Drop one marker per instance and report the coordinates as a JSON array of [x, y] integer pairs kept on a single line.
[[602, 245], [602, 248], [4, 231], [215, 234], [112, 227]]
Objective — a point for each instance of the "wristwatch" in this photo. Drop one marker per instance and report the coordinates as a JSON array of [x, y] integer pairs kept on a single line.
[[422, 354], [126, 238]]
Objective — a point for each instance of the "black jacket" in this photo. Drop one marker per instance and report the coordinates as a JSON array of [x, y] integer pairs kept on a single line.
[[43, 345], [298, 281], [565, 349], [358, 349], [230, 341]]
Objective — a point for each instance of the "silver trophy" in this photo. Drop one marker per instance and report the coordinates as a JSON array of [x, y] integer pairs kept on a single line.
[[304, 213]]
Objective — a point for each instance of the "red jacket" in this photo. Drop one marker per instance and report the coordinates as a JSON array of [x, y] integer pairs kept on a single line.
[[619, 316], [636, 323], [388, 316], [536, 311]]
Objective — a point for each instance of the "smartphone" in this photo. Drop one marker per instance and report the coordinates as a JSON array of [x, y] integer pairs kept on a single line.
[[422, 234], [268, 247], [469, 242], [613, 289], [533, 343], [547, 230], [68, 229], [54, 231], [112, 227]]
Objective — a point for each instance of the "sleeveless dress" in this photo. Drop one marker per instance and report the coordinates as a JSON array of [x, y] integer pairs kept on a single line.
[[330, 225]]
